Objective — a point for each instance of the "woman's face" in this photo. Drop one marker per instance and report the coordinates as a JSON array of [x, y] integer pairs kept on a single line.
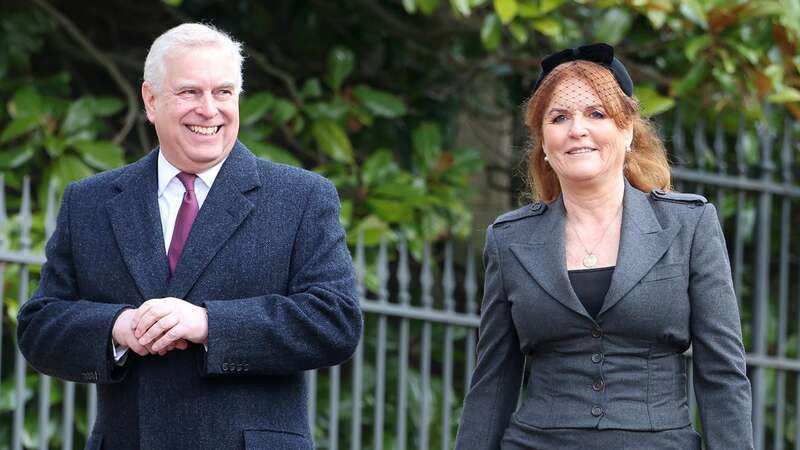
[[581, 141]]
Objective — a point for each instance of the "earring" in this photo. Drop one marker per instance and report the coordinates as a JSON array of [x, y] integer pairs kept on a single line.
[[628, 148], [546, 160]]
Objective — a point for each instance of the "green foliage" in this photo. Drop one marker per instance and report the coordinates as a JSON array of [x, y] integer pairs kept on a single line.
[[48, 132], [58, 135], [333, 126], [713, 54], [340, 65], [491, 32], [652, 103]]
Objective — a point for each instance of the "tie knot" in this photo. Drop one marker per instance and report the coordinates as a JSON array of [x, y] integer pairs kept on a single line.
[[188, 180]]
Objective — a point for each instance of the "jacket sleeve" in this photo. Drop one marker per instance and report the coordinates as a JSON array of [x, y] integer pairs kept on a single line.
[[317, 324], [495, 385], [59, 333], [720, 378]]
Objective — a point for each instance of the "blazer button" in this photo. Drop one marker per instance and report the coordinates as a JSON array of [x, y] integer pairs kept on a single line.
[[597, 332], [598, 385], [224, 367], [597, 411], [597, 357]]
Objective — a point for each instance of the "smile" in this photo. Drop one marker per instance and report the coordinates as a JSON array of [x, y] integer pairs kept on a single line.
[[580, 151], [205, 131]]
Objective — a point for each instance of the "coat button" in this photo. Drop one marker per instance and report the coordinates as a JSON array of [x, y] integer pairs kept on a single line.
[[224, 367], [597, 332], [597, 411], [597, 357], [598, 385]]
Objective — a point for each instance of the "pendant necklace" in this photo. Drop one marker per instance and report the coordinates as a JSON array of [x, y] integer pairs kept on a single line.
[[590, 259]]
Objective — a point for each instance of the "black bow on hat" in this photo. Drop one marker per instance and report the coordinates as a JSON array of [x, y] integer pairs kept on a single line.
[[600, 53]]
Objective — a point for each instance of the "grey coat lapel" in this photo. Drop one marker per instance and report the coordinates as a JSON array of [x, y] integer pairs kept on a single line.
[[544, 256], [136, 223], [642, 243], [221, 214]]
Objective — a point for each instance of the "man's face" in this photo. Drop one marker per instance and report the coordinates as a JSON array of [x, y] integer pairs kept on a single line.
[[196, 113]]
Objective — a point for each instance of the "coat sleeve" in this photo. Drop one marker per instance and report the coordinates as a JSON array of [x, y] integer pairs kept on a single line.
[[720, 378], [59, 333], [495, 385], [317, 324]]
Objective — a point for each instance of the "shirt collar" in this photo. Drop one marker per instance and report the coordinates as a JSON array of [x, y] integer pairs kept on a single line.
[[166, 172]]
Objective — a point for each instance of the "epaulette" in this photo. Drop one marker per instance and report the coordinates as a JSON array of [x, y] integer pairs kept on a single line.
[[679, 197], [534, 209]]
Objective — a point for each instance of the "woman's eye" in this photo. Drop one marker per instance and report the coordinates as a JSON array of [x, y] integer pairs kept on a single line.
[[597, 114], [558, 118]]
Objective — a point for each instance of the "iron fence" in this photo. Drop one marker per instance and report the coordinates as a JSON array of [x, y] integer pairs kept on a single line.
[[353, 394], [432, 372], [404, 386], [747, 183]]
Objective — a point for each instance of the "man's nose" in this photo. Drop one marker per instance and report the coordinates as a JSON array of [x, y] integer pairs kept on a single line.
[[207, 105]]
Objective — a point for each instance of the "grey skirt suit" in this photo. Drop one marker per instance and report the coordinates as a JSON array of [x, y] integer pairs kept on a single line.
[[617, 381]]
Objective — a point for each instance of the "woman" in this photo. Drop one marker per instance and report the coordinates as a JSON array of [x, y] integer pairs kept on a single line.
[[603, 287]]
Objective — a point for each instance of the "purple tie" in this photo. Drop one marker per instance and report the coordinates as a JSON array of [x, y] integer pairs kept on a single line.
[[183, 224]]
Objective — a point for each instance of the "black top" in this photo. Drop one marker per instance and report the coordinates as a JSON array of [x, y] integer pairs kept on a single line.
[[591, 285]]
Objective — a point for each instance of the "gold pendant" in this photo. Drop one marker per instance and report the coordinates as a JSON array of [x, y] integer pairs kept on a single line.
[[589, 261]]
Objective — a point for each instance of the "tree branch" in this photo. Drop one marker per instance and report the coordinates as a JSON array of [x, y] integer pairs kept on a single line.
[[265, 65], [103, 60], [124, 62], [141, 132], [292, 141], [647, 72]]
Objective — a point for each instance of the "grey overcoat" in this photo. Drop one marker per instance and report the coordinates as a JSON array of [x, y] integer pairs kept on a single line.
[[671, 289], [266, 256]]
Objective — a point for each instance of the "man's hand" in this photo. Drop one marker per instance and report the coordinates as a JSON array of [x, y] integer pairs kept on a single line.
[[122, 333], [180, 344], [161, 323]]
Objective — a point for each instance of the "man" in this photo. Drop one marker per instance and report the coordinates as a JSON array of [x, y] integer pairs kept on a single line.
[[196, 285]]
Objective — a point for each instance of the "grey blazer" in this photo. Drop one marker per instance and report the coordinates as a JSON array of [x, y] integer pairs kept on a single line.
[[671, 289], [266, 256]]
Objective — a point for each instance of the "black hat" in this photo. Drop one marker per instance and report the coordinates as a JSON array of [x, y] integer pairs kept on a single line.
[[600, 53]]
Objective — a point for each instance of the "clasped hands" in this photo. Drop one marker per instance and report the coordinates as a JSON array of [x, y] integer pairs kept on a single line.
[[161, 325]]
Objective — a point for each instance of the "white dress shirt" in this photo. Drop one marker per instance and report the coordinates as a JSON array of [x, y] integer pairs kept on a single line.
[[171, 190], [170, 197]]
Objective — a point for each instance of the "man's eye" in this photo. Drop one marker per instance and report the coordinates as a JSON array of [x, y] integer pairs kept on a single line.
[[187, 93]]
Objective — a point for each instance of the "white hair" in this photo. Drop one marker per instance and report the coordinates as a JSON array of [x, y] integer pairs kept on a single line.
[[189, 35]]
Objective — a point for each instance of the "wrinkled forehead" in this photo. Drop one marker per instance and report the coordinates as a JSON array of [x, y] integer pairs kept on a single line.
[[573, 94]]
